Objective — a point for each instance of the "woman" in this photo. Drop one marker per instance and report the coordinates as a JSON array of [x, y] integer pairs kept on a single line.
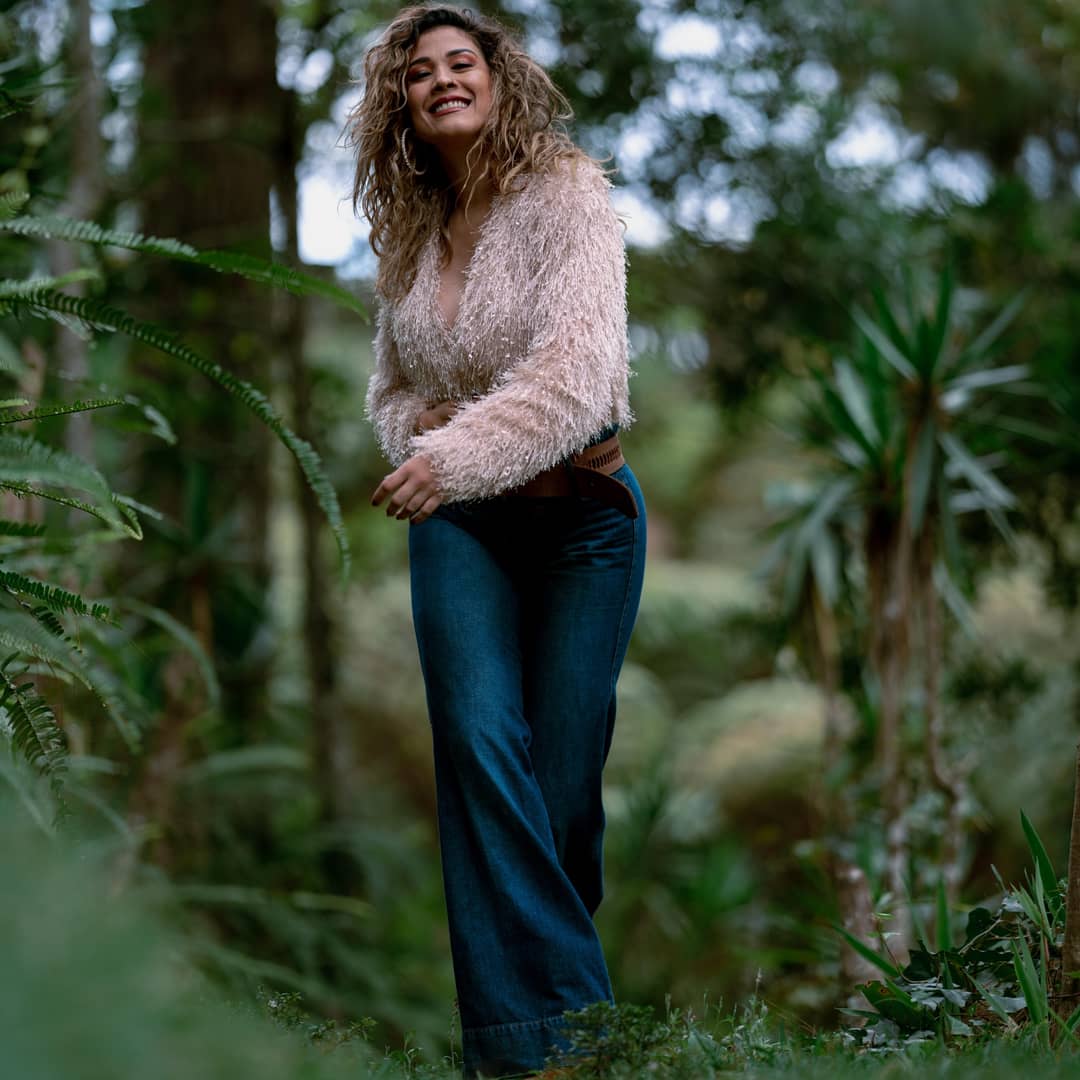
[[500, 384]]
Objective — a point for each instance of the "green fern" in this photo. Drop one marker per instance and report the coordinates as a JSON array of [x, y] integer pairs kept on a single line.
[[60, 410], [129, 525], [157, 424], [57, 600], [20, 528], [26, 463], [223, 262], [100, 315], [34, 731], [17, 286], [11, 202], [23, 635]]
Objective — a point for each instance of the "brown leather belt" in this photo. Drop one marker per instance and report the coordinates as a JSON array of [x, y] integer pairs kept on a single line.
[[587, 474]]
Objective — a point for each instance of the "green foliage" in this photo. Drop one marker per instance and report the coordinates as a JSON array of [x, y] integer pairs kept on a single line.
[[98, 315], [72, 922], [223, 262], [33, 729], [896, 425], [999, 981]]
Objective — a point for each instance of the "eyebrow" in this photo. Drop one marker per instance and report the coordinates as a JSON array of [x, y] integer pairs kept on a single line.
[[452, 52]]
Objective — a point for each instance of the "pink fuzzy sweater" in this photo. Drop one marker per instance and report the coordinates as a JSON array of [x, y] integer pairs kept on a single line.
[[537, 354]]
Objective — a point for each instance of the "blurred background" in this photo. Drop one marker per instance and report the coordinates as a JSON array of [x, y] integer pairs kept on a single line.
[[854, 244]]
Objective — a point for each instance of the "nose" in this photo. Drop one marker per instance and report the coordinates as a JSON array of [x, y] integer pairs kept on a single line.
[[444, 78]]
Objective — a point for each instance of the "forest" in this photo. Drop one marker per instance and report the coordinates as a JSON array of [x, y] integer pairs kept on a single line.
[[840, 797]]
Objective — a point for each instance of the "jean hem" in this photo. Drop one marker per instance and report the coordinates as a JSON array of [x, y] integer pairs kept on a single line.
[[517, 1025], [516, 1049]]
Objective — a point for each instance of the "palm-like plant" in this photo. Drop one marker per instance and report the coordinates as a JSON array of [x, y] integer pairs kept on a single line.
[[899, 427]]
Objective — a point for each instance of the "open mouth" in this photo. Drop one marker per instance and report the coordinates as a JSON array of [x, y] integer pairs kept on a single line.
[[449, 105]]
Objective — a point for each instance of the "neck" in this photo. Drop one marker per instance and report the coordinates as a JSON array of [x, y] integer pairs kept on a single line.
[[468, 190]]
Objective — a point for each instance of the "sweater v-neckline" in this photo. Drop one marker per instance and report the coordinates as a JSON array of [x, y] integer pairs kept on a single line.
[[466, 274]]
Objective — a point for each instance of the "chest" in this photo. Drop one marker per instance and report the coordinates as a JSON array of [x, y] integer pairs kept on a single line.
[[452, 274], [469, 314]]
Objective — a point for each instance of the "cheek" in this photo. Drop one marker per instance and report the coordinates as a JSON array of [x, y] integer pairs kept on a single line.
[[412, 103]]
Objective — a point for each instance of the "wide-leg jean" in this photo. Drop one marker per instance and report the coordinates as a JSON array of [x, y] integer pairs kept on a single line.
[[523, 608]]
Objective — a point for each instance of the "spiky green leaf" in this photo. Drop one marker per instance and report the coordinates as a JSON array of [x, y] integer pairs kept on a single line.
[[1044, 866], [994, 331], [1031, 983], [883, 344], [869, 954], [980, 478], [854, 395]]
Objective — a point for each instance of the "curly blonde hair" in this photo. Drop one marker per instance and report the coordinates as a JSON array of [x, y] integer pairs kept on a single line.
[[406, 194]]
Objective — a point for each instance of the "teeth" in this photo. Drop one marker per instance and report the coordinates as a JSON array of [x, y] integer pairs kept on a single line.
[[447, 106]]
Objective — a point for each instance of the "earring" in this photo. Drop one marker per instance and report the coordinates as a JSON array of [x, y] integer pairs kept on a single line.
[[410, 164]]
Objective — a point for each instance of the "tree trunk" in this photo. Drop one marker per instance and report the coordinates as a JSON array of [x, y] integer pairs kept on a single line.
[[209, 122], [888, 555], [853, 898], [949, 780]]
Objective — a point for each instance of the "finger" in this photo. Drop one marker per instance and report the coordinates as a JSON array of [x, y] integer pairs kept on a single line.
[[400, 499], [425, 511], [390, 483], [423, 494]]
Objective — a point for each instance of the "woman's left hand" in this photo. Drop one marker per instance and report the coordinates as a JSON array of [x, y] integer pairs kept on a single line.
[[412, 491]]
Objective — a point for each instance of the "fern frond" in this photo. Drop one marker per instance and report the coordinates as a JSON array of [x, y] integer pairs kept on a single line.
[[140, 507], [20, 633], [35, 733], [49, 620], [98, 314], [26, 463], [16, 287], [11, 202], [55, 598], [157, 423], [60, 410], [129, 527], [20, 528], [223, 262]]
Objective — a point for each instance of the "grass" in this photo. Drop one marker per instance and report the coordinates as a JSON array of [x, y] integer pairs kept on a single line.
[[99, 983]]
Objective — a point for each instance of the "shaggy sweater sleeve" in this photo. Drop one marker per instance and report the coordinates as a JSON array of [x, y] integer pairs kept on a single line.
[[561, 392], [391, 406]]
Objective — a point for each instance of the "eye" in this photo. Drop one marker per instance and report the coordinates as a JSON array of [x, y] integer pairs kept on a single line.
[[462, 65], [417, 74]]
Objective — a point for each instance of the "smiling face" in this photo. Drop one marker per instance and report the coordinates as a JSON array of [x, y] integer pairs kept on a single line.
[[448, 87]]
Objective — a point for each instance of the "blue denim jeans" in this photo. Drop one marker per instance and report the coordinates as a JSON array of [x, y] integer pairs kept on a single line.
[[523, 609]]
